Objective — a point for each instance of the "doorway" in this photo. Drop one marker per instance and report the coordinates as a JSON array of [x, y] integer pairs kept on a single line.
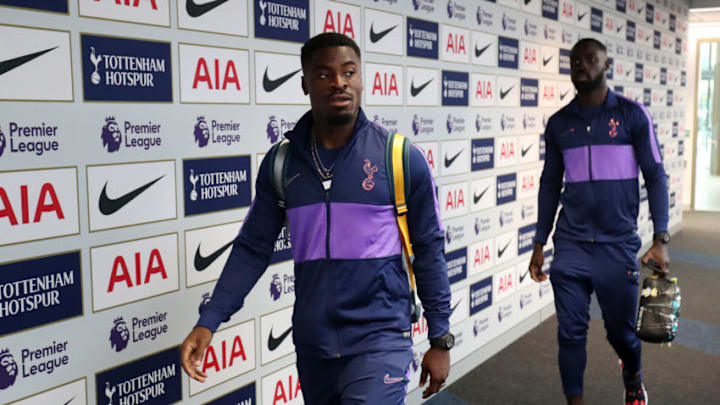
[[706, 180]]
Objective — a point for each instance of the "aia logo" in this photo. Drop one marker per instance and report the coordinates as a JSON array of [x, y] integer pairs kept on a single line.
[[2, 142], [613, 127], [111, 135], [276, 287], [370, 169], [119, 335], [121, 275], [8, 369], [456, 44], [202, 133], [385, 85], [484, 90], [338, 21], [210, 77]]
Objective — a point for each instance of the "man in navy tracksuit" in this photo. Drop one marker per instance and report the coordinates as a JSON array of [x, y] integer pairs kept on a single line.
[[352, 297], [597, 142]]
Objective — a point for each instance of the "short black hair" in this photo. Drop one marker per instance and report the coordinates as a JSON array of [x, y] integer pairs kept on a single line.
[[589, 41], [325, 40]]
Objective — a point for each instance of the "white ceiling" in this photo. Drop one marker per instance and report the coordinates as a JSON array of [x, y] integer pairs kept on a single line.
[[705, 15]]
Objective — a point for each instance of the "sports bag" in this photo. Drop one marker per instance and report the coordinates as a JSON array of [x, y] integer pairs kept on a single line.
[[659, 310]]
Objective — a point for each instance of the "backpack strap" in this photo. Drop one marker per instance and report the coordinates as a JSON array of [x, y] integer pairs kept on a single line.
[[397, 154], [279, 155]]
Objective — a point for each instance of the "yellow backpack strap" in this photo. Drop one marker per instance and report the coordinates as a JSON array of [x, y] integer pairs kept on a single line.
[[398, 170]]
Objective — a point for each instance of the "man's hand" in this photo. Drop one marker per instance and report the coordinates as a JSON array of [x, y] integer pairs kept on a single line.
[[436, 363], [659, 253], [191, 352], [536, 263]]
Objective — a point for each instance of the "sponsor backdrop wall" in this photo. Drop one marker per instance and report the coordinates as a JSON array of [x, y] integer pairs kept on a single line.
[[130, 136]]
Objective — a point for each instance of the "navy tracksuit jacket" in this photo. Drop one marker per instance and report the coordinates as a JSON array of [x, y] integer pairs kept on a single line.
[[351, 292], [595, 237]]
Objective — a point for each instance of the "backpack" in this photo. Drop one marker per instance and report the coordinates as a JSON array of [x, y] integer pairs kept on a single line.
[[397, 155]]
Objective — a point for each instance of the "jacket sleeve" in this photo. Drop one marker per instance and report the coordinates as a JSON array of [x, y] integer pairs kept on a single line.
[[647, 151], [250, 255], [426, 236], [550, 186]]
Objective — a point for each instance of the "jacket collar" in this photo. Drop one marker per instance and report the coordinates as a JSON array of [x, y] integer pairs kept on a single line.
[[610, 102], [300, 135]]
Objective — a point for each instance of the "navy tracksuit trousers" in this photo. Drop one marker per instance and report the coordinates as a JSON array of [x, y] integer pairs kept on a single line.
[[611, 270], [371, 378]]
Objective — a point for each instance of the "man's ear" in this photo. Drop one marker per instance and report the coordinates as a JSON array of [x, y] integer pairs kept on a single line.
[[304, 85]]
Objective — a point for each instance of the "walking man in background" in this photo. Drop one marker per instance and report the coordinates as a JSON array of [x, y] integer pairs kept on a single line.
[[597, 142], [352, 329]]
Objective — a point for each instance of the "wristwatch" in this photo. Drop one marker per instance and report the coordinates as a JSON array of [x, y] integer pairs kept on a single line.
[[445, 342], [663, 237]]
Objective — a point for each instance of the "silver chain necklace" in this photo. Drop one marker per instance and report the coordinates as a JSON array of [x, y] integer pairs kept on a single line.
[[325, 173]]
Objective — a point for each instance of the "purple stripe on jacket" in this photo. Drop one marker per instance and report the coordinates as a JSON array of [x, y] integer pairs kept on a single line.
[[613, 162], [576, 164], [308, 227], [651, 131], [363, 231]]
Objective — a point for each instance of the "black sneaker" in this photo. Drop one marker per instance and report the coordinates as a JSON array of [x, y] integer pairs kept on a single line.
[[636, 397]]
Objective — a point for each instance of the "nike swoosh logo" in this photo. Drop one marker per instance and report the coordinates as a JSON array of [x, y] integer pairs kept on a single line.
[[455, 306], [71, 399], [620, 28], [10, 64], [273, 342], [640, 10], [109, 206], [450, 161], [505, 93], [628, 72], [522, 276], [501, 251], [269, 85], [524, 151], [376, 36], [562, 95], [291, 179], [414, 91], [527, 2], [581, 16], [477, 198], [196, 10], [203, 262], [482, 50], [546, 61]]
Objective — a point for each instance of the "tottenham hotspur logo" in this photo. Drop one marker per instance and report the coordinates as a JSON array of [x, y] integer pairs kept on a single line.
[[202, 134], [111, 135], [8, 369], [119, 335]]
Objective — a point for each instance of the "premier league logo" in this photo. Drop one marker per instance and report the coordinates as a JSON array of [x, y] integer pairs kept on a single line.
[[477, 226], [119, 335], [204, 302], [8, 369], [415, 127], [450, 9], [448, 235], [416, 4], [275, 287], [449, 124], [111, 135], [2, 142], [202, 133], [478, 122], [272, 130]]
